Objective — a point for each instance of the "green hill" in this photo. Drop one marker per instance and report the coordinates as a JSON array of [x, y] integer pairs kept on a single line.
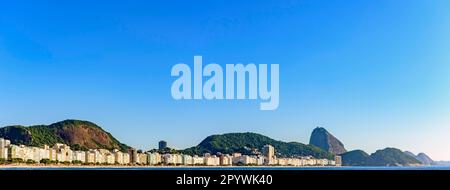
[[356, 158], [385, 157], [246, 143], [392, 157], [80, 135]]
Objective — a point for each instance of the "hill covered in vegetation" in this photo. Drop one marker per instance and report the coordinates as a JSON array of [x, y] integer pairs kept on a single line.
[[384, 157], [247, 143], [80, 135]]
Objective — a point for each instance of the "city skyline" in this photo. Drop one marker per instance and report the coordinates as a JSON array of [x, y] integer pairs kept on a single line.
[[374, 74], [62, 154]]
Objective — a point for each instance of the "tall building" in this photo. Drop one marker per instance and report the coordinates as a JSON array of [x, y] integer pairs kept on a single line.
[[63, 152], [269, 152], [4, 153], [90, 156], [162, 145], [338, 160], [79, 156], [154, 158], [226, 160], [2, 143], [17, 152], [212, 160], [4, 148], [118, 156], [126, 158], [133, 156], [196, 160]]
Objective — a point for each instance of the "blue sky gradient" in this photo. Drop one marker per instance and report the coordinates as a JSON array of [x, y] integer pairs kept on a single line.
[[374, 73]]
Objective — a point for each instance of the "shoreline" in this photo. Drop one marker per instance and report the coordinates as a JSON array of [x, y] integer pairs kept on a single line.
[[122, 167], [162, 166]]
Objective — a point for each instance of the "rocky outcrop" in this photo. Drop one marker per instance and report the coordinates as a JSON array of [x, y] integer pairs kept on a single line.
[[321, 138]]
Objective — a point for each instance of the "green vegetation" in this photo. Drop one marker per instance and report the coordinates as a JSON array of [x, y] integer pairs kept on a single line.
[[48, 161], [392, 157], [166, 150], [78, 147], [356, 158], [15, 160], [42, 134], [385, 157], [17, 134], [30, 161], [80, 135], [246, 142], [77, 162], [65, 163]]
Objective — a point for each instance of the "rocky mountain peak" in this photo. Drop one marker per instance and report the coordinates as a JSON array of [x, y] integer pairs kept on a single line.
[[321, 138]]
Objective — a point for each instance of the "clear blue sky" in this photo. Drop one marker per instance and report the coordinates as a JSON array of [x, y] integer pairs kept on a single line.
[[374, 73]]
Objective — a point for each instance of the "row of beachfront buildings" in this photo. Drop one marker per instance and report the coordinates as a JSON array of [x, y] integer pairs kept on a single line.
[[63, 154]]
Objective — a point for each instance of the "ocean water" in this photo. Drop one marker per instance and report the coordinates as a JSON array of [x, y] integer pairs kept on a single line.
[[233, 168]]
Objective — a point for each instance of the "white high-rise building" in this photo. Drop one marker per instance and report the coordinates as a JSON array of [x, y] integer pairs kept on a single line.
[[4, 153], [142, 158], [110, 159], [17, 152], [126, 158], [154, 158], [44, 153], [79, 156], [187, 160], [63, 153], [226, 160], [172, 159], [4, 148], [118, 156], [101, 156], [212, 160], [90, 156], [197, 160], [4, 143]]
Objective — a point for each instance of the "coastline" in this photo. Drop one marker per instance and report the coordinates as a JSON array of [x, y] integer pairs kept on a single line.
[[162, 166], [122, 167]]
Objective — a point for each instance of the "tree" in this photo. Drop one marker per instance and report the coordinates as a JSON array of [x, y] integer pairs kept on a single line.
[[45, 161], [30, 161], [16, 160], [76, 162], [3, 161]]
